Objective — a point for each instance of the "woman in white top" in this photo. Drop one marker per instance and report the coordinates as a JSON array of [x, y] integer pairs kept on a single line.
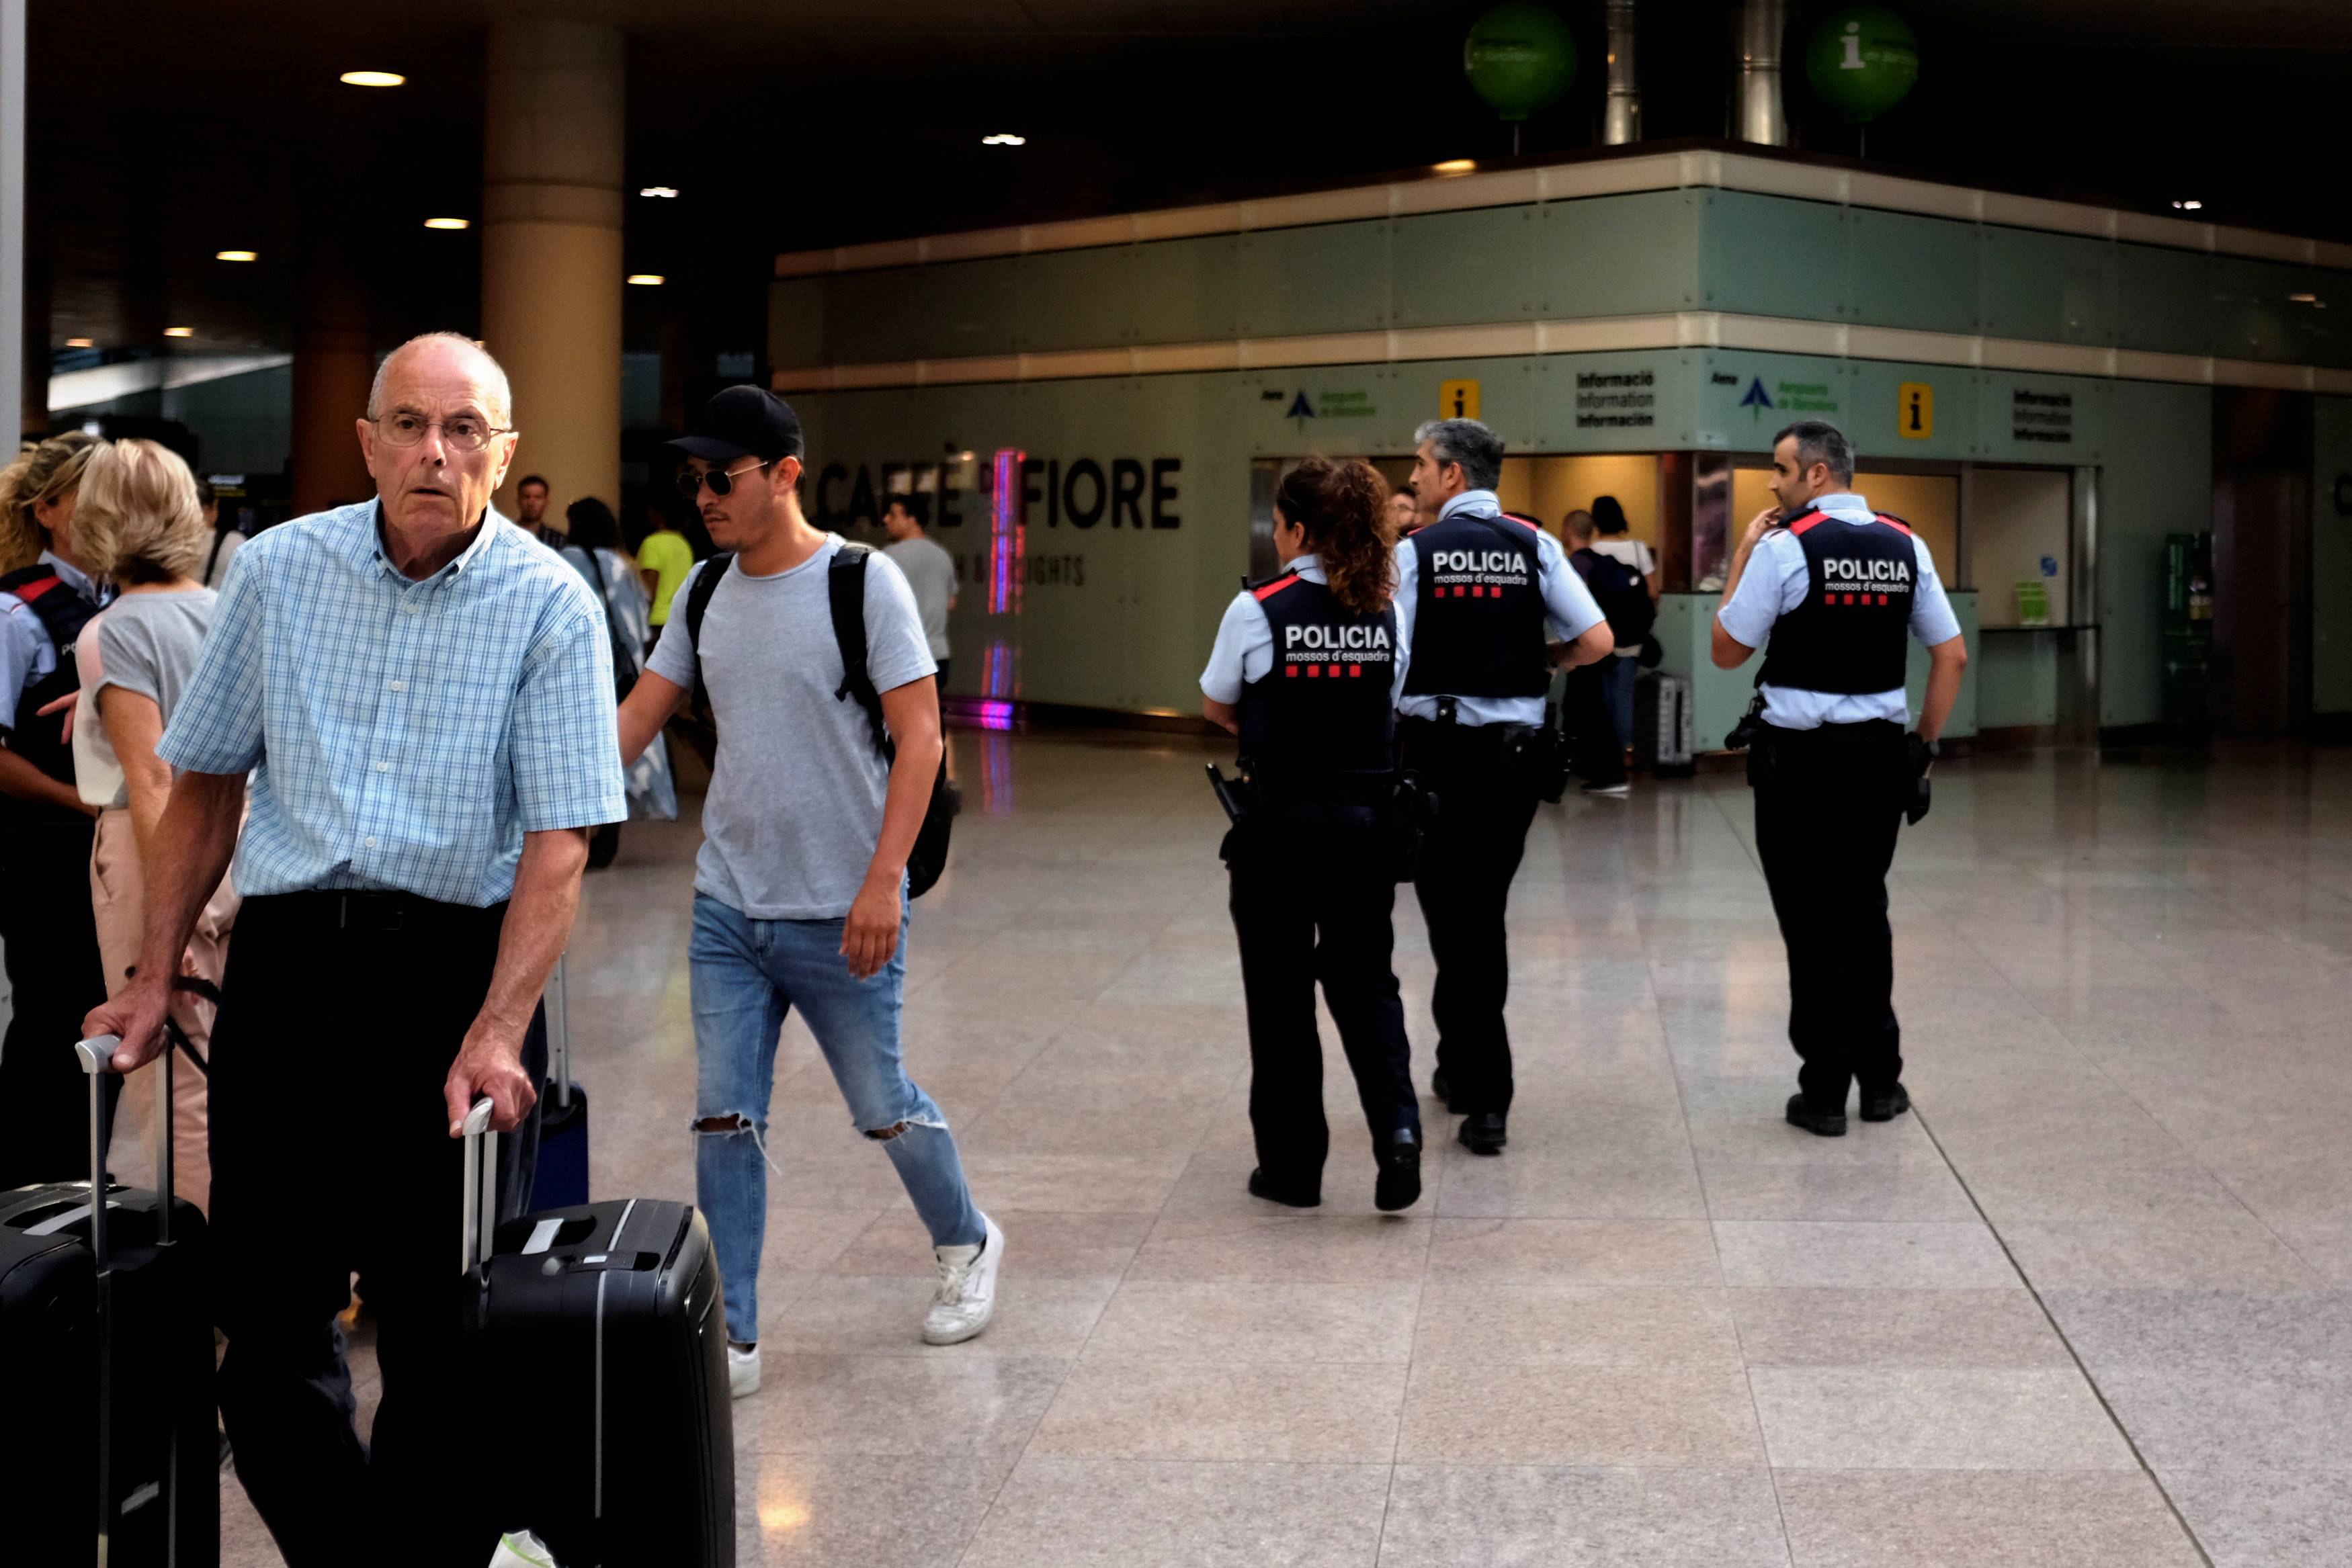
[[138, 523]]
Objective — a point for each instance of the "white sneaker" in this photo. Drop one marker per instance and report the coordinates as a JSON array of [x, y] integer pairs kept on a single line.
[[742, 1369], [967, 1294]]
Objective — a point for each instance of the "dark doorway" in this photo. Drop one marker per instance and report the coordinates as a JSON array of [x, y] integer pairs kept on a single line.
[[2261, 561]]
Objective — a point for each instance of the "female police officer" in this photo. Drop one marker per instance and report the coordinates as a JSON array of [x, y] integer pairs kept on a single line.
[[1305, 670]]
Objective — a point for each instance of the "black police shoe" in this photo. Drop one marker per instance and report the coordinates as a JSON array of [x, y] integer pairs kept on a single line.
[[1444, 1091], [1484, 1133], [1400, 1180], [1822, 1124], [1260, 1186], [1885, 1104]]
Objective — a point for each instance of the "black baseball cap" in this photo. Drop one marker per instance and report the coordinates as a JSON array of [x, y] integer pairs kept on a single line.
[[743, 421]]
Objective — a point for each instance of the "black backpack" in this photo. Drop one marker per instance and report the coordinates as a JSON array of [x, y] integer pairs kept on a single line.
[[1622, 594], [844, 584]]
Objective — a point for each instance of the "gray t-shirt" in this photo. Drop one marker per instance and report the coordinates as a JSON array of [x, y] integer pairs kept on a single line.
[[143, 643], [931, 571], [795, 802]]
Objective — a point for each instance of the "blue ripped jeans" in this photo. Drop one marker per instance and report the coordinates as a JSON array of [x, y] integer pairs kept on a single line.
[[746, 975]]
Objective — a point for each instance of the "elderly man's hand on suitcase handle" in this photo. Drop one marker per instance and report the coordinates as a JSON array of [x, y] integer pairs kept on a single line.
[[137, 1017], [489, 1063]]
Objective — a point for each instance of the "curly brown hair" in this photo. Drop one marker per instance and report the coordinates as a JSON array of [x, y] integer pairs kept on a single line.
[[1343, 507]]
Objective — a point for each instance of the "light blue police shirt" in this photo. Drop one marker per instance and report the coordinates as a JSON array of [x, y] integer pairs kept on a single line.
[[402, 735], [26, 652], [1244, 651], [1776, 582], [1570, 612]]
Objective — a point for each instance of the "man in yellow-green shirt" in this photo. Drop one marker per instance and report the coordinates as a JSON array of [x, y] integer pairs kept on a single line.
[[664, 558]]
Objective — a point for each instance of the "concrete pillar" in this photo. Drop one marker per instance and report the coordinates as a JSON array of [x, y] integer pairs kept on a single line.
[[334, 363], [552, 170]]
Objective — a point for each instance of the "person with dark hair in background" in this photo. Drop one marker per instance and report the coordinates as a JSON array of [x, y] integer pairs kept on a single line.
[[50, 935], [1490, 604], [593, 549], [1614, 540], [1837, 589], [1307, 670], [226, 537], [1595, 750], [1404, 512], [530, 508]]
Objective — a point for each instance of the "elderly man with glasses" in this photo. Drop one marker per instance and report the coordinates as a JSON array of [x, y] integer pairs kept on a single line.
[[415, 702]]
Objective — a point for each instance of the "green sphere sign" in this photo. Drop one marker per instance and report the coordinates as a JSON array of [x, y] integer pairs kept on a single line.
[[1862, 60], [1519, 57]]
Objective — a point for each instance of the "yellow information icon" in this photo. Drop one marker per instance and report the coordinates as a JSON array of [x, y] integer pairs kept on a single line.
[[1915, 409], [1457, 400]]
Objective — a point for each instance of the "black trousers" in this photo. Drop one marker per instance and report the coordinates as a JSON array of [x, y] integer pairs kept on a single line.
[[1828, 806], [1312, 900], [54, 977], [1485, 801], [1594, 752], [331, 1154]]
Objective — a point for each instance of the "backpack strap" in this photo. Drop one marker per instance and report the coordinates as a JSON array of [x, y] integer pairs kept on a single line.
[[844, 584], [698, 601]]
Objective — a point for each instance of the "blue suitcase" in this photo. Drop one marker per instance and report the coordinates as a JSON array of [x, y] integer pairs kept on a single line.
[[561, 1180]]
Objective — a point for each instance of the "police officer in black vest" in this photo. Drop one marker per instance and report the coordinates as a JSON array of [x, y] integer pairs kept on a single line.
[[1838, 589], [1484, 598], [1304, 671]]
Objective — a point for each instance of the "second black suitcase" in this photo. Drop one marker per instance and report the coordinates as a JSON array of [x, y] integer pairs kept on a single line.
[[612, 1312], [561, 1180]]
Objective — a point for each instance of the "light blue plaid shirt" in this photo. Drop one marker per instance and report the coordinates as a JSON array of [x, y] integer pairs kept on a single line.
[[402, 735]]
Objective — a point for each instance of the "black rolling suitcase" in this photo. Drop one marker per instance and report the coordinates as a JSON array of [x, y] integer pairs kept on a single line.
[[561, 1180], [612, 1312], [109, 1452]]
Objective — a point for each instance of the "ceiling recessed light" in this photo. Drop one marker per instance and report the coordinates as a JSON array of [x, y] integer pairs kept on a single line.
[[647, 278], [372, 79], [1005, 139], [2304, 298], [81, 342], [667, 192], [237, 255], [1455, 166], [448, 222], [179, 332], [2189, 204]]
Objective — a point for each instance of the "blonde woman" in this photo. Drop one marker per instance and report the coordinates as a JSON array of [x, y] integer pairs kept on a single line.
[[47, 595], [141, 524]]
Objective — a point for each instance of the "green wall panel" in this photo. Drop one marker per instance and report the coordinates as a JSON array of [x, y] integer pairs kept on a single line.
[[2331, 556], [1186, 290], [1330, 278], [2164, 299], [796, 336], [2154, 483], [1077, 298], [1580, 397], [1873, 412], [2053, 288], [1454, 267], [1910, 271], [925, 313], [1746, 397], [2017, 679], [1618, 255], [1767, 256]]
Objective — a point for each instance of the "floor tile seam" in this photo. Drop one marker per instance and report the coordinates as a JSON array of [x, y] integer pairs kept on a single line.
[[2081, 1368]]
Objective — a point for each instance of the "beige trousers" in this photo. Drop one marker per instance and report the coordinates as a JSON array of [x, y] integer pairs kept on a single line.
[[118, 896]]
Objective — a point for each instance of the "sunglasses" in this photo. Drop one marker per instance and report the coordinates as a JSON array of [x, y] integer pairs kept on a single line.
[[720, 480]]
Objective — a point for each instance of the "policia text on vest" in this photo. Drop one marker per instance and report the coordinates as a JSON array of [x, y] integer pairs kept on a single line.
[[1836, 590]]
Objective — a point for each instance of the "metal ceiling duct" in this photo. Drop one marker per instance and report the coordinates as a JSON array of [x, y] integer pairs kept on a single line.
[[1622, 119], [1758, 115]]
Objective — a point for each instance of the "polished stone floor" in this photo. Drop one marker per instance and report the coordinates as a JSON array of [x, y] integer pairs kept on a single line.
[[2087, 1308]]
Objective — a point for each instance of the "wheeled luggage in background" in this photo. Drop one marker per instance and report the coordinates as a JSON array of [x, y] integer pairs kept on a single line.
[[1662, 742], [562, 1177], [611, 1313], [109, 1449]]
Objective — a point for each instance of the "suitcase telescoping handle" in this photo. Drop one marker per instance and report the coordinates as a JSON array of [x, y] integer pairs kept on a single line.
[[557, 1001], [481, 1194]]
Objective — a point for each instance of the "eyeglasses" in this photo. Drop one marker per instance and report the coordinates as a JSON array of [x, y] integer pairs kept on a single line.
[[720, 480], [460, 432]]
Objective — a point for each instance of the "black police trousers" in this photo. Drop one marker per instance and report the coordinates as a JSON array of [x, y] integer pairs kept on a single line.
[[1828, 803], [1313, 895], [1485, 801]]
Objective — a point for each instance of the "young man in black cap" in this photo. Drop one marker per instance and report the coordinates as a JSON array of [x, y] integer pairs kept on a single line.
[[799, 890]]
